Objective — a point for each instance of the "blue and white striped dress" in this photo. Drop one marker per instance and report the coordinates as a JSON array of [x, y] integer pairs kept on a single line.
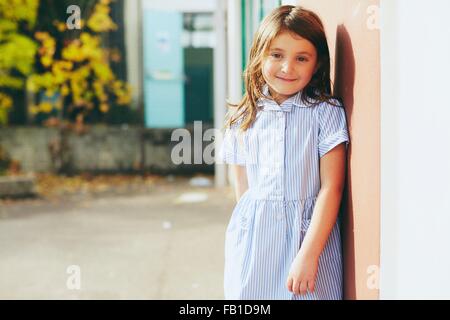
[[281, 153]]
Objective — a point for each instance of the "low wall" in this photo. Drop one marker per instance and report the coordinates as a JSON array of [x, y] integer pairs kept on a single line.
[[101, 149]]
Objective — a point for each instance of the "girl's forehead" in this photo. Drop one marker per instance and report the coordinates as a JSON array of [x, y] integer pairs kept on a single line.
[[288, 41]]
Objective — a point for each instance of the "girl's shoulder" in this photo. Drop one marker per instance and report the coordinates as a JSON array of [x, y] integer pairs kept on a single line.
[[330, 105], [237, 122], [331, 111], [320, 101]]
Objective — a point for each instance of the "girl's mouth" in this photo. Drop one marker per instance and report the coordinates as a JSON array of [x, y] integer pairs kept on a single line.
[[286, 79]]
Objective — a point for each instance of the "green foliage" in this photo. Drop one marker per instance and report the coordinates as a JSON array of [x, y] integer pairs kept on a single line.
[[17, 50], [66, 74], [19, 10]]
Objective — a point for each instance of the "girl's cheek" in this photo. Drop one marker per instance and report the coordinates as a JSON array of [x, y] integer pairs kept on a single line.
[[272, 68], [267, 68], [308, 70]]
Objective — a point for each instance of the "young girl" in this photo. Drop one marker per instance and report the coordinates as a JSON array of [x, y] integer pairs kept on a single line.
[[286, 143]]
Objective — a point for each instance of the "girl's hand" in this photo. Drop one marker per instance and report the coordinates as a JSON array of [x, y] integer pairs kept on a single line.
[[302, 274]]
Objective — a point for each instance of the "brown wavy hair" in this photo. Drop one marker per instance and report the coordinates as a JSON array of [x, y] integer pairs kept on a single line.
[[299, 21]]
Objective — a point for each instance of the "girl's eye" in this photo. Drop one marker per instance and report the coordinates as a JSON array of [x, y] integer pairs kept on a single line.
[[302, 59], [276, 55]]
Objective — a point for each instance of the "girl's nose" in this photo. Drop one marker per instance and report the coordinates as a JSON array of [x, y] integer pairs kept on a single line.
[[285, 67]]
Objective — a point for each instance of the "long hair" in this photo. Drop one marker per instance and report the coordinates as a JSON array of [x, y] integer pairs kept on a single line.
[[297, 20]]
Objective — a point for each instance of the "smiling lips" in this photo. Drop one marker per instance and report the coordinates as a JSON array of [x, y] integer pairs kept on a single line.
[[287, 80]]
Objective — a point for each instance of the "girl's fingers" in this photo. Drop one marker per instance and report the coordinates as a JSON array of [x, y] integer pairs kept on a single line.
[[295, 286], [289, 283], [303, 287], [300, 287], [311, 285]]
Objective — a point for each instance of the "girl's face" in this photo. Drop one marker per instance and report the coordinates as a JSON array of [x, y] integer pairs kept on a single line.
[[289, 65]]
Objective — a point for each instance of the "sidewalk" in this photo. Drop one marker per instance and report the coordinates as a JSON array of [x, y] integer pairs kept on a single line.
[[151, 245]]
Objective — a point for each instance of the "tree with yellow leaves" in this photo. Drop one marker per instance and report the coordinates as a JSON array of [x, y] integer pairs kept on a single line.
[[17, 49], [77, 70]]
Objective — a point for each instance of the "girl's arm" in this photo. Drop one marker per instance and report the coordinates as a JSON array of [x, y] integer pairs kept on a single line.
[[240, 180], [332, 178], [304, 268]]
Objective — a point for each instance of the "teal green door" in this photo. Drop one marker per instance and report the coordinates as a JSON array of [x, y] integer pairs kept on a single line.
[[199, 85], [163, 69]]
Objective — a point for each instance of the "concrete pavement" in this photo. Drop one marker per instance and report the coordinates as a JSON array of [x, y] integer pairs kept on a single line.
[[151, 245]]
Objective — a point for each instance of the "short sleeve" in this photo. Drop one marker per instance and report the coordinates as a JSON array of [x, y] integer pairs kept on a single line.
[[332, 127], [231, 150]]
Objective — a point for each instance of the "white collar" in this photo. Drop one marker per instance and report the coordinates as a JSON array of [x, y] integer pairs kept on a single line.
[[268, 104]]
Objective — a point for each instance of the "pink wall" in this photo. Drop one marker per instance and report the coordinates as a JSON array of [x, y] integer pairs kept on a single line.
[[355, 62]]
